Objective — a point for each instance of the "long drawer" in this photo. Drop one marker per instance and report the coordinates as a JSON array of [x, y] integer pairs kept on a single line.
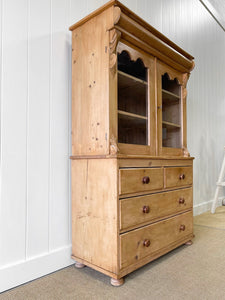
[[140, 180], [139, 210], [178, 176], [146, 241]]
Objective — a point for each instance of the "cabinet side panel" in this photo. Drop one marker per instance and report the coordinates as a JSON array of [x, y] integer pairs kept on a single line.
[[90, 86], [94, 212]]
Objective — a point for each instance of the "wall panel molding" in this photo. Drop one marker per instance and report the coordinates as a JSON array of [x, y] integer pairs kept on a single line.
[[35, 110]]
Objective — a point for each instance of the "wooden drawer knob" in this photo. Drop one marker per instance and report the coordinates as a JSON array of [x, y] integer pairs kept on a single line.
[[145, 180], [146, 243], [182, 176], [146, 209], [182, 227], [181, 200]]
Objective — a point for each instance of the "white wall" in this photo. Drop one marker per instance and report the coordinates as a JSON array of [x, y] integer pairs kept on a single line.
[[35, 86]]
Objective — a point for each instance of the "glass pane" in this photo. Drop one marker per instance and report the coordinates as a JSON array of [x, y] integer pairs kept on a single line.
[[171, 113], [132, 101]]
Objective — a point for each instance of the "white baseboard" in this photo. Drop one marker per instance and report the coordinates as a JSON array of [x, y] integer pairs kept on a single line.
[[24, 271], [205, 206]]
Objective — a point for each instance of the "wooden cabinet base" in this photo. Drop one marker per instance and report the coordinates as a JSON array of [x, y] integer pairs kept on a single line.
[[117, 282], [117, 278], [97, 216]]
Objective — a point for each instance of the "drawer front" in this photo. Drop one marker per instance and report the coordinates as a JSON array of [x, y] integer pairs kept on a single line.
[[140, 180], [140, 243], [139, 210], [178, 176]]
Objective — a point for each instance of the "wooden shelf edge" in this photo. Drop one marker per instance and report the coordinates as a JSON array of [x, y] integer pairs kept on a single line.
[[171, 124], [132, 77], [130, 156], [135, 116], [171, 94]]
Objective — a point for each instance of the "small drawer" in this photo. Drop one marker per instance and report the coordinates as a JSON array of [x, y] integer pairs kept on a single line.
[[147, 241], [178, 176], [140, 180], [138, 210]]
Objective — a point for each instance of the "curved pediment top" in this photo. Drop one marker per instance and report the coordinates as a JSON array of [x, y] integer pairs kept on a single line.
[[171, 77], [131, 66], [138, 32], [129, 57], [171, 84]]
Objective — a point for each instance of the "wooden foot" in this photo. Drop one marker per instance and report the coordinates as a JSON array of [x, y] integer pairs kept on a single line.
[[117, 282], [79, 265], [189, 243]]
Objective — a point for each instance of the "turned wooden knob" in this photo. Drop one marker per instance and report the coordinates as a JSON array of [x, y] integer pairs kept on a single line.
[[181, 200], [146, 243], [146, 209], [182, 176], [145, 180], [182, 227]]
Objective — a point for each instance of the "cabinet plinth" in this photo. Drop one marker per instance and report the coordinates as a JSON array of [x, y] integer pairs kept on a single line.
[[131, 172]]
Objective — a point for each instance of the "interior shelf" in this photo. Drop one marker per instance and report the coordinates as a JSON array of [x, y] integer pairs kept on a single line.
[[171, 113], [131, 78], [169, 96], [132, 129], [171, 124], [121, 112], [132, 94]]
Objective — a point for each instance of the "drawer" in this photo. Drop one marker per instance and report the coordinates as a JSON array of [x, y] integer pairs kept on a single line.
[[147, 241], [139, 210], [178, 176], [140, 180]]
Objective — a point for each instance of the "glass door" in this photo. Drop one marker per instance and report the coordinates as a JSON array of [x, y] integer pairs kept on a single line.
[[171, 112], [133, 102]]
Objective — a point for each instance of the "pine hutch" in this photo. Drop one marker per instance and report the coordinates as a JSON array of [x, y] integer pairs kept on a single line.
[[131, 169]]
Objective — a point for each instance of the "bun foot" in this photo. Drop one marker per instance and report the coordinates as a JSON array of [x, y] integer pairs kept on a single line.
[[117, 282], [79, 265], [189, 243]]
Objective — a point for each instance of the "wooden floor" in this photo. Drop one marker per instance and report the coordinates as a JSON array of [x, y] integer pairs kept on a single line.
[[208, 219]]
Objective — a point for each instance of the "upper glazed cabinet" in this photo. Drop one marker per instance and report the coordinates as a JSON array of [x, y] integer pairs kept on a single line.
[[138, 88]]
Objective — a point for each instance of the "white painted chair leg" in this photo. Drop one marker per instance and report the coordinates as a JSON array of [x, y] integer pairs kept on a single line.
[[215, 200], [220, 183]]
